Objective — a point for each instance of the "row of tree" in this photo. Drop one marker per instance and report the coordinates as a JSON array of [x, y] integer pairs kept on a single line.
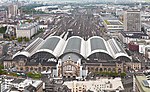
[[29, 74], [3, 29], [34, 75], [110, 74], [20, 39]]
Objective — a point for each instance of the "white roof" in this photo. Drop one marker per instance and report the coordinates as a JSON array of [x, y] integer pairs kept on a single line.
[[57, 46], [56, 50], [93, 84], [24, 53]]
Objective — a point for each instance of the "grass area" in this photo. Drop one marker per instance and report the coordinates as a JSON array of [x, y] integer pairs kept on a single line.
[[34, 75], [4, 72], [110, 74], [3, 29], [29, 74], [108, 23]]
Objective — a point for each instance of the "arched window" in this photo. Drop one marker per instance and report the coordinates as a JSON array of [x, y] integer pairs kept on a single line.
[[109, 69], [21, 68], [39, 69], [101, 69], [114, 70], [31, 69], [48, 68], [44, 68], [27, 69], [96, 69], [105, 69]]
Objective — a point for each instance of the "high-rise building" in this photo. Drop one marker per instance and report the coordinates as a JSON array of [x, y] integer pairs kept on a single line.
[[12, 10], [132, 20]]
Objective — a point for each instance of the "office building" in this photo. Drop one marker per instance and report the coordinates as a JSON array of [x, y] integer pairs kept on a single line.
[[10, 84], [100, 85], [27, 30], [12, 10], [132, 20]]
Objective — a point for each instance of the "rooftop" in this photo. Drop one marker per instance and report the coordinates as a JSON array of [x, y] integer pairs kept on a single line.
[[140, 81], [134, 34], [18, 80], [26, 26], [92, 84], [113, 22], [73, 45]]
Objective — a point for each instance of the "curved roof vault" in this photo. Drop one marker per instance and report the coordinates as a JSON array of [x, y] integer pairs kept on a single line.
[[24, 53], [52, 45], [97, 44], [116, 49], [74, 44]]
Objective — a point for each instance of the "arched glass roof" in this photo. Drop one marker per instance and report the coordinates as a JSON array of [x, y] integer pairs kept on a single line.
[[97, 45], [73, 44], [24, 53], [50, 43], [116, 49], [58, 47]]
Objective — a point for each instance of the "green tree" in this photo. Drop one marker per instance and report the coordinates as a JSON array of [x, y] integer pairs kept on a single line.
[[13, 37], [26, 39], [3, 29], [1, 66], [34, 75], [123, 74], [19, 39]]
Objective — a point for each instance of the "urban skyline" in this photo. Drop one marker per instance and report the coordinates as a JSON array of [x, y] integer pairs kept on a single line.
[[74, 46]]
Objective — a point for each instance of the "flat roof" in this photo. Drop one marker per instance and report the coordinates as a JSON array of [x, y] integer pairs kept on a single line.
[[133, 34], [18, 81], [26, 26], [140, 81], [114, 22]]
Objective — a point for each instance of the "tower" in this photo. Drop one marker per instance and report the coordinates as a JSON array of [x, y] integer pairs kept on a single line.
[[132, 20]]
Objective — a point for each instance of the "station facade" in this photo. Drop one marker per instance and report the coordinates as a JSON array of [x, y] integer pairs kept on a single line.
[[73, 57]]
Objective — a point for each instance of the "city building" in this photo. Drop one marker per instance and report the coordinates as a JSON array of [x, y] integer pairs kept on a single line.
[[74, 57], [3, 15], [1, 50], [132, 20], [27, 30], [100, 85], [12, 10], [1, 36], [146, 27], [119, 12], [113, 27], [10, 84], [135, 65], [145, 16], [130, 36], [142, 83]]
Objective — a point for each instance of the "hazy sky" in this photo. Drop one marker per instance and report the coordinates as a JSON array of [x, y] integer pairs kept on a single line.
[[89, 0]]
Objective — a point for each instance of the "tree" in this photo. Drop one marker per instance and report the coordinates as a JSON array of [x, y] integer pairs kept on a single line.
[[33, 75], [3, 29], [26, 39], [19, 39], [13, 37], [123, 74]]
